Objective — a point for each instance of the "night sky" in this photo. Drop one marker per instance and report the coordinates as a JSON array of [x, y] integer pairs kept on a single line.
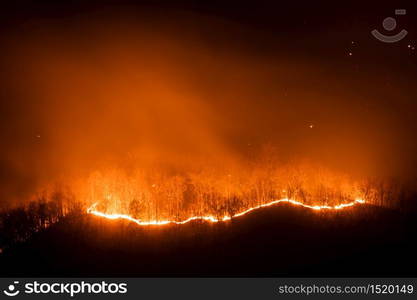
[[86, 85]]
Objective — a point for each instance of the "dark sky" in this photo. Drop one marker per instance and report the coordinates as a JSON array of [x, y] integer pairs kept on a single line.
[[85, 83]]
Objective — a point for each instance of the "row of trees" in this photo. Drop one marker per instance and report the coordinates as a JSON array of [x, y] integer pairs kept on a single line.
[[19, 223], [163, 196], [160, 195]]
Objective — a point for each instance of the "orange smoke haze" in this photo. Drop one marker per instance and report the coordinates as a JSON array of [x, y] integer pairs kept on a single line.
[[115, 97]]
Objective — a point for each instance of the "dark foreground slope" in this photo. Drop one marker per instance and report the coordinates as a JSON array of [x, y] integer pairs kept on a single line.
[[276, 241]]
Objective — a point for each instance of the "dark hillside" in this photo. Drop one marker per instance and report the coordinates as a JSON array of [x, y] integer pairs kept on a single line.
[[281, 240]]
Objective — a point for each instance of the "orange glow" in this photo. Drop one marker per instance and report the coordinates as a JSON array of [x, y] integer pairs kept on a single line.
[[210, 218]]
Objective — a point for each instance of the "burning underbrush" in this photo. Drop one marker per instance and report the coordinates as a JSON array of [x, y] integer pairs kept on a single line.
[[221, 194], [158, 196]]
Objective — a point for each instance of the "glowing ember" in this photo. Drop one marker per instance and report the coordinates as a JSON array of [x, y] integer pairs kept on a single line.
[[209, 218]]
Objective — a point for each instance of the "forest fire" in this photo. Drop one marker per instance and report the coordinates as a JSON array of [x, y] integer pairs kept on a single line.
[[210, 218], [160, 197], [278, 133]]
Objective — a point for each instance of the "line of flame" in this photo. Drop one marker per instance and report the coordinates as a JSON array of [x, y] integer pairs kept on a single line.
[[210, 218]]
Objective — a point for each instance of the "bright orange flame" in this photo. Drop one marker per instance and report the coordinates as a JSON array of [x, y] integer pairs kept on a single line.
[[211, 218]]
